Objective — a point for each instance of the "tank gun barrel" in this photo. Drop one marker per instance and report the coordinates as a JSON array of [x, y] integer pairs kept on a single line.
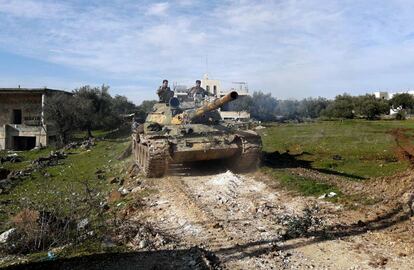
[[187, 116], [215, 104]]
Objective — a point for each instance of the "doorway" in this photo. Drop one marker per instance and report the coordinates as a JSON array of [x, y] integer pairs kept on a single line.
[[21, 143]]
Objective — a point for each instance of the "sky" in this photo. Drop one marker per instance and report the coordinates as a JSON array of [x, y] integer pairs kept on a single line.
[[290, 48]]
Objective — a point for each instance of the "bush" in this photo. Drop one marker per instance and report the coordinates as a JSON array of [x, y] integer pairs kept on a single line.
[[68, 219], [400, 115]]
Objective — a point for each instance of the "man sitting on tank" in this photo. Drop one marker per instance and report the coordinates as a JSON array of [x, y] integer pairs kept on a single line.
[[164, 92], [197, 92]]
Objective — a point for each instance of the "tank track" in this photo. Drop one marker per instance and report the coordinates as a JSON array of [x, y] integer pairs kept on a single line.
[[249, 156], [152, 159]]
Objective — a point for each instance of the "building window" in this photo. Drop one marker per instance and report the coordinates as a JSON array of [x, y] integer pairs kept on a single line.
[[208, 88], [215, 90], [17, 117]]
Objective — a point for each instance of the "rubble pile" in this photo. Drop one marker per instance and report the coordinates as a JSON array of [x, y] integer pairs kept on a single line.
[[8, 178], [86, 144], [300, 225], [12, 158], [139, 236], [228, 183], [51, 160], [5, 185]]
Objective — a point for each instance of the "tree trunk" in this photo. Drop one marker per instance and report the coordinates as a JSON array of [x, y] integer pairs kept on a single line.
[[90, 133]]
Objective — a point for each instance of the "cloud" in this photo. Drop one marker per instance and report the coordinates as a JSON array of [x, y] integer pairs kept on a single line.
[[31, 9], [292, 48], [158, 9]]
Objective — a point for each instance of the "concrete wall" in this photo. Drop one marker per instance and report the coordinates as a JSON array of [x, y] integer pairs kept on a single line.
[[234, 115], [7, 133], [29, 104], [209, 85], [2, 138]]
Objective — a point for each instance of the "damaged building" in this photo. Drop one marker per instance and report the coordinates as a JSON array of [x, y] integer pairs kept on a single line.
[[22, 123]]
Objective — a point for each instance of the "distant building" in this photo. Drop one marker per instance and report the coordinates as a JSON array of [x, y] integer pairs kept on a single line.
[[388, 96], [22, 123], [212, 86], [180, 90], [381, 95]]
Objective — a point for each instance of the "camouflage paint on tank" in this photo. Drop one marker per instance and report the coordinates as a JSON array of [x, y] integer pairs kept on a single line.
[[190, 135]]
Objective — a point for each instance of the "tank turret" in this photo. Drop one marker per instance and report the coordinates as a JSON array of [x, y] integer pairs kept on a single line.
[[189, 115]]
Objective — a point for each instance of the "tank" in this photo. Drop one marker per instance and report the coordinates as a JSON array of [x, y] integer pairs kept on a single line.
[[186, 131]]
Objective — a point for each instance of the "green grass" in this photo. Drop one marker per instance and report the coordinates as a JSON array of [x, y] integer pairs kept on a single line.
[[303, 185], [28, 157], [65, 184], [66, 179], [366, 148]]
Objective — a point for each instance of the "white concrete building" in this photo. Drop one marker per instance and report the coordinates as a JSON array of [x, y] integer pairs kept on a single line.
[[382, 95], [388, 96], [22, 123], [212, 86]]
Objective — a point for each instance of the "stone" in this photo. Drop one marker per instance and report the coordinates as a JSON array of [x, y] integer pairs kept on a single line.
[[83, 224], [104, 205], [331, 194], [218, 226], [323, 196], [142, 244], [51, 255], [114, 196], [6, 236], [121, 181], [136, 189], [5, 185], [113, 180], [123, 191], [408, 202]]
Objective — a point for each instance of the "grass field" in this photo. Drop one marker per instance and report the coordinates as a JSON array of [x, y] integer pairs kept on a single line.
[[64, 180], [355, 149]]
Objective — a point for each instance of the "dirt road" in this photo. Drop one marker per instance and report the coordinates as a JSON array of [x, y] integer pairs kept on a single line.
[[248, 222]]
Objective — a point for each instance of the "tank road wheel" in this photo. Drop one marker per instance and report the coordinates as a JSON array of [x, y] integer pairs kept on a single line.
[[249, 155], [151, 160]]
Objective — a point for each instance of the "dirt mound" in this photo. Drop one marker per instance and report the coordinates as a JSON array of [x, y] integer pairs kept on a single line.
[[405, 148]]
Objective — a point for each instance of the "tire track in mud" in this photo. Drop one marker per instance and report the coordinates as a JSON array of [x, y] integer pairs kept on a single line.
[[211, 234]]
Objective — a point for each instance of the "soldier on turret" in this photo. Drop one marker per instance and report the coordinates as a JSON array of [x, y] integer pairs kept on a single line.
[[198, 92], [164, 92]]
